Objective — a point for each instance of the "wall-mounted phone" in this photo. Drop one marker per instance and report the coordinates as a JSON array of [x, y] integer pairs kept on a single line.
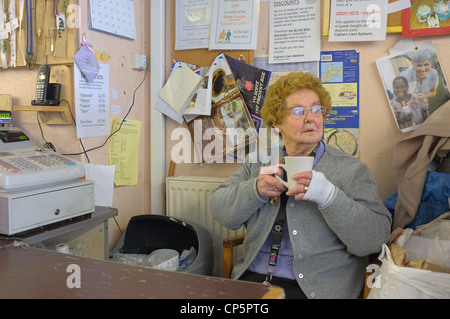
[[46, 93]]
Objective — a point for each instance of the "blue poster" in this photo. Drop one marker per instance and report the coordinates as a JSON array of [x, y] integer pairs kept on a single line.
[[339, 72]]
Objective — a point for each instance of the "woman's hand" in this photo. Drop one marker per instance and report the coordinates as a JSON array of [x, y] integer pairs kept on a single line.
[[313, 186], [304, 180], [421, 96], [267, 184]]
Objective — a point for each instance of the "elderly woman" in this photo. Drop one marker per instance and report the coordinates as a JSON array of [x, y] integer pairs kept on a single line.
[[422, 78], [334, 217]]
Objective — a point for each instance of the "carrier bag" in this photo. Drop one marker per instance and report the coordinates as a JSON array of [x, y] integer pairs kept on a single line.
[[395, 282]]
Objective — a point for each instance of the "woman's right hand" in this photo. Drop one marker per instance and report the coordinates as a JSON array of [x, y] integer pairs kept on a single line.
[[267, 184]]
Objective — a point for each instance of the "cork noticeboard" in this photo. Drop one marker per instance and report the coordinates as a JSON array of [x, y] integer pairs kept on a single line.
[[205, 57]]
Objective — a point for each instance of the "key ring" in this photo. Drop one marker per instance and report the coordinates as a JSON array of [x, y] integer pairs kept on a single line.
[[269, 275]]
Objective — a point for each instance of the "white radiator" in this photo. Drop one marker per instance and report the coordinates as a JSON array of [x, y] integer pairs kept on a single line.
[[187, 197]]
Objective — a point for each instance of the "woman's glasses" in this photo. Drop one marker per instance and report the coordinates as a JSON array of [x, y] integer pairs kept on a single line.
[[299, 112]]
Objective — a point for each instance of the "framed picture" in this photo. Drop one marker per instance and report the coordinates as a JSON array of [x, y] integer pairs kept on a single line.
[[426, 17], [415, 85]]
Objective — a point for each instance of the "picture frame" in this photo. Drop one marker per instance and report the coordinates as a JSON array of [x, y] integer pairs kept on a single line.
[[426, 18], [407, 69]]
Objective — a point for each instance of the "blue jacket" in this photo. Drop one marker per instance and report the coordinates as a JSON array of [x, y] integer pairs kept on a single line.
[[330, 243]]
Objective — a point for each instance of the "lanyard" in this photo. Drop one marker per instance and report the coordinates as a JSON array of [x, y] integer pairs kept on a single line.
[[278, 229], [277, 236]]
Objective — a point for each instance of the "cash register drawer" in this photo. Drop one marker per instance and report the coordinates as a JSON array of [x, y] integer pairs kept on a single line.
[[22, 211]]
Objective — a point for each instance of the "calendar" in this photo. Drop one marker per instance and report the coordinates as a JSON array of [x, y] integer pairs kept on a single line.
[[113, 16]]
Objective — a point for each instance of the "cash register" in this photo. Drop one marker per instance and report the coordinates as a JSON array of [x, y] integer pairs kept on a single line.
[[38, 186]]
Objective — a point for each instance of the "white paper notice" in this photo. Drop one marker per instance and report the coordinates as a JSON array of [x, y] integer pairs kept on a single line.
[[103, 177], [192, 24], [92, 103], [358, 20], [294, 31], [234, 25]]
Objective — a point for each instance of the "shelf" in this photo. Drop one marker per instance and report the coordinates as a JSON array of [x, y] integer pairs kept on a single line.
[[50, 115], [56, 115]]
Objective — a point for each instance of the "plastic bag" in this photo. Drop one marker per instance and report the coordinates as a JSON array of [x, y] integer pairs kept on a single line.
[[187, 257], [439, 255], [164, 259], [438, 234], [434, 201], [395, 282]]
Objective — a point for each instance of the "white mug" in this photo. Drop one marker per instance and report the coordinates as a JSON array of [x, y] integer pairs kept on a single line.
[[294, 165]]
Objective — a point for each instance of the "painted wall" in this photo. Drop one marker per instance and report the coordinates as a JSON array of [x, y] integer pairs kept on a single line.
[[20, 84], [378, 131]]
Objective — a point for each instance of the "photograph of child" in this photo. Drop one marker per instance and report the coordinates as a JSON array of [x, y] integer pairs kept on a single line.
[[408, 110], [415, 85]]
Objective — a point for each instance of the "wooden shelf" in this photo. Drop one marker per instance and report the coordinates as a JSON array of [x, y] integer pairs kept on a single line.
[[56, 115], [50, 115]]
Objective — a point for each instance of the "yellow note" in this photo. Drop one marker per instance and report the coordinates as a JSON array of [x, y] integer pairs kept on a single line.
[[179, 87], [124, 151]]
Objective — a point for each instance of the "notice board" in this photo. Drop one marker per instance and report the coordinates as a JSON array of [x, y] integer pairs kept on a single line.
[[205, 57]]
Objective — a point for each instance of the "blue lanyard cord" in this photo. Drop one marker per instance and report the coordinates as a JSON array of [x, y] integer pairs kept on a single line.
[[29, 27]]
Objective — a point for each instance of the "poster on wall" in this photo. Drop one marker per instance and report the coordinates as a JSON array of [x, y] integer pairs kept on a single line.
[[234, 25], [415, 85], [252, 83], [192, 24], [358, 20], [92, 103], [426, 17], [339, 72], [230, 127], [294, 31]]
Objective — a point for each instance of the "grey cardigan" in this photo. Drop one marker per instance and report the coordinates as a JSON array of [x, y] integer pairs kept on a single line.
[[330, 243]]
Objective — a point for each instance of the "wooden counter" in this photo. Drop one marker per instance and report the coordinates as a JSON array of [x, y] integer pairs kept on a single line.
[[30, 273]]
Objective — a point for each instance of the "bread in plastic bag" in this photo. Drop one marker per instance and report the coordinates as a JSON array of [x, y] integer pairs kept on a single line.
[[395, 282], [430, 242]]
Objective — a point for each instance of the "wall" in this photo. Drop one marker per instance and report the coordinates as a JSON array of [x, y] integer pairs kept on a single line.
[[378, 132], [20, 83]]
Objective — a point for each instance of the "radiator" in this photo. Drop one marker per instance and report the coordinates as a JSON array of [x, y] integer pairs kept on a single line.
[[187, 197]]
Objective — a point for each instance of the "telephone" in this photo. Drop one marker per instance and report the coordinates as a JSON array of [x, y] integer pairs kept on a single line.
[[46, 93]]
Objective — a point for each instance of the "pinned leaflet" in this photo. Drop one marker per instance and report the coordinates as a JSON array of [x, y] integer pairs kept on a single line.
[[179, 87]]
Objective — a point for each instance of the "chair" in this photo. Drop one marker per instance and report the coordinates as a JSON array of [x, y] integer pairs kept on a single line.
[[147, 233], [228, 253], [228, 257]]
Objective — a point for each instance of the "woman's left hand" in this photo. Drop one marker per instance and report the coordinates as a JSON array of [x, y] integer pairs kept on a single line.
[[421, 96], [313, 186], [304, 180]]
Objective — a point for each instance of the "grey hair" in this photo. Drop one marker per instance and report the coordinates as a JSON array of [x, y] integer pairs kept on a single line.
[[422, 55]]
